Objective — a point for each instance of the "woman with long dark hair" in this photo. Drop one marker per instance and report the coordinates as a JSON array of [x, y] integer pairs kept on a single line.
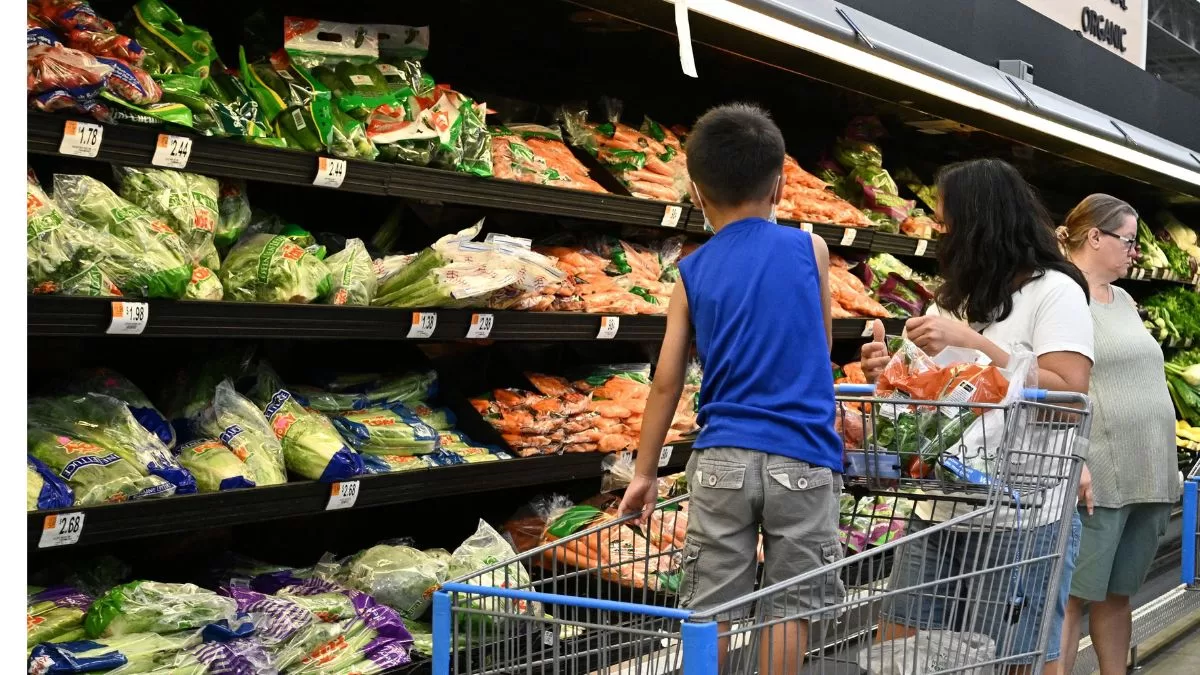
[[1007, 288]]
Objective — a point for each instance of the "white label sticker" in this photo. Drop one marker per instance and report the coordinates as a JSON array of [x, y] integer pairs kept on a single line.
[[298, 120], [868, 329], [609, 326], [687, 59], [922, 244], [807, 227], [481, 326], [1138, 273], [61, 529], [172, 151], [128, 318], [423, 325], [671, 215], [504, 239], [664, 456], [548, 638], [361, 80], [388, 69], [959, 394], [81, 139], [848, 236], [330, 172], [342, 495]]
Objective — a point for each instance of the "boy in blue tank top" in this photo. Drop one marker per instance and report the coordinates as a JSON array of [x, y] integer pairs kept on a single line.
[[756, 297]]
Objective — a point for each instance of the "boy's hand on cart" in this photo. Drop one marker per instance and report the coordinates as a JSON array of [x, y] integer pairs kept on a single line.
[[934, 333], [640, 497], [1085, 490], [874, 354]]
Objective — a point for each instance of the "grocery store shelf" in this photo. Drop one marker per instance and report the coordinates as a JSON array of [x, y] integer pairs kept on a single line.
[[115, 522], [134, 145], [856, 238], [1139, 274], [50, 315]]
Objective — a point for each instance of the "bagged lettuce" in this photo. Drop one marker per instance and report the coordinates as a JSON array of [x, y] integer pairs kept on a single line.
[[186, 201], [273, 268], [43, 488], [401, 577], [63, 255], [391, 430], [154, 261], [234, 216], [149, 606], [133, 653], [240, 425], [108, 423], [94, 474], [312, 447], [204, 285], [53, 613], [353, 275], [111, 383], [346, 393], [215, 466]]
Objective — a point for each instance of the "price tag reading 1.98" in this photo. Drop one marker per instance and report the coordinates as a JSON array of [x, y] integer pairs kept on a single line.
[[481, 326], [61, 529], [128, 318], [609, 326], [172, 151], [81, 139], [342, 495], [330, 172], [423, 325]]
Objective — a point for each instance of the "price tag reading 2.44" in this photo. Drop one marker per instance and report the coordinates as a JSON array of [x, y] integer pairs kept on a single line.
[[172, 151], [330, 172], [423, 325]]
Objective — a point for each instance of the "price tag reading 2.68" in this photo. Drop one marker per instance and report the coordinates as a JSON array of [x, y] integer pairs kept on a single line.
[[423, 325], [342, 495], [172, 151], [61, 529]]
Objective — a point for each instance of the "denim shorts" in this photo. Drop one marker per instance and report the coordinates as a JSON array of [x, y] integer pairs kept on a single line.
[[1006, 605]]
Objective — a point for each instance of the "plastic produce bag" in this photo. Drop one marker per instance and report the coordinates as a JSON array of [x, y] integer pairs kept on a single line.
[[186, 201], [173, 45], [392, 430], [234, 216], [150, 606], [107, 422], [44, 489], [931, 651], [311, 445], [215, 467], [204, 285], [272, 268], [401, 49], [53, 613], [137, 652], [63, 254], [213, 657], [111, 383], [240, 425], [94, 474], [401, 577], [353, 275], [483, 549], [160, 265]]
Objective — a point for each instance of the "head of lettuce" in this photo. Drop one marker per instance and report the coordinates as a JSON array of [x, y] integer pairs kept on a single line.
[[273, 268]]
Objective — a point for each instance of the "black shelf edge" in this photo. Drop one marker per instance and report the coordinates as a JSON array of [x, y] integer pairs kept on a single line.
[[153, 517], [1139, 274], [899, 244], [862, 239], [860, 329], [134, 145]]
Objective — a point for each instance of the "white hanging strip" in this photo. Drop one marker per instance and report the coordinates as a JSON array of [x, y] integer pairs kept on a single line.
[[683, 29]]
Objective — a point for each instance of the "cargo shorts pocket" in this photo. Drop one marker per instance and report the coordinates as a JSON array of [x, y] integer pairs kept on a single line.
[[719, 474], [831, 554], [800, 476], [691, 558]]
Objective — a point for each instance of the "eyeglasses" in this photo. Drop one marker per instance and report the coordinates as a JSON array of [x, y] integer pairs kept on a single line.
[[1130, 243]]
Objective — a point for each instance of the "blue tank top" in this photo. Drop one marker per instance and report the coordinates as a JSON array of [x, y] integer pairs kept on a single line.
[[754, 295]]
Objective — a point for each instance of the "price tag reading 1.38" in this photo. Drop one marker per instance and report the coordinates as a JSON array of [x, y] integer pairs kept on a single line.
[[423, 325], [330, 172], [128, 318], [342, 495], [481, 326], [609, 326], [61, 529], [81, 139], [172, 151]]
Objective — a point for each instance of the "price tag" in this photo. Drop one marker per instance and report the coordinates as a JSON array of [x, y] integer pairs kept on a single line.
[[807, 227], [1138, 273], [81, 139], [342, 495], [481, 326], [128, 318], [172, 151], [609, 326], [922, 244], [868, 329], [423, 325], [61, 529], [671, 215], [848, 236], [664, 456], [330, 172], [548, 638]]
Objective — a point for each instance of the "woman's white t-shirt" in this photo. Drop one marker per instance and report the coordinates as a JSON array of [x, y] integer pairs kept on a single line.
[[1049, 314]]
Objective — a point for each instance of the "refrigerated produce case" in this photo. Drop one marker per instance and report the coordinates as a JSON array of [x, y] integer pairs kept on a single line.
[[811, 65]]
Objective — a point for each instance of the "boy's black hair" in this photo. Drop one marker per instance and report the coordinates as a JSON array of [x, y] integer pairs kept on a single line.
[[735, 154]]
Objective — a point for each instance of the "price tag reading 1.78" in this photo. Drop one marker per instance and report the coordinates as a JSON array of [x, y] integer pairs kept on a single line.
[[330, 172], [172, 151], [423, 325], [342, 495], [609, 326], [481, 326], [61, 529], [128, 318], [81, 139]]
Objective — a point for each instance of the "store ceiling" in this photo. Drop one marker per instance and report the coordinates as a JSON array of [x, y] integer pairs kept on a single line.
[[1173, 45]]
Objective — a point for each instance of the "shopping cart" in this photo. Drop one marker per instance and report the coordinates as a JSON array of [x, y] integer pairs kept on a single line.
[[999, 495], [1190, 567]]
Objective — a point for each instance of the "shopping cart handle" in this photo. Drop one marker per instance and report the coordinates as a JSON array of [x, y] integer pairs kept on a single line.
[[1031, 394], [854, 389]]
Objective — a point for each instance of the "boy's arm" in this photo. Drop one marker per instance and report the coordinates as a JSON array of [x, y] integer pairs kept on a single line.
[[665, 390], [821, 252]]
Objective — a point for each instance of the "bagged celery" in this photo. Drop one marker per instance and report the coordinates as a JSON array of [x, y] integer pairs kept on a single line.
[[204, 285], [54, 613], [340, 396], [155, 261], [154, 607], [63, 254], [111, 383], [234, 216], [133, 653], [240, 425], [186, 201], [267, 268], [215, 467], [311, 445], [353, 275], [94, 474], [43, 488], [392, 430]]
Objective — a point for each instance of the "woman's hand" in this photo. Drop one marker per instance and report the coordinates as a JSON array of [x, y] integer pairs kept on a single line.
[[934, 333], [874, 354], [1085, 490]]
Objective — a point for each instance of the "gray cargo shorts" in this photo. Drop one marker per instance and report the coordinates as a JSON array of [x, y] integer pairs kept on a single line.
[[734, 492]]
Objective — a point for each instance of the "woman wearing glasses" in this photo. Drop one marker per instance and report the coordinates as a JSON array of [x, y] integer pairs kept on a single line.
[[1132, 456]]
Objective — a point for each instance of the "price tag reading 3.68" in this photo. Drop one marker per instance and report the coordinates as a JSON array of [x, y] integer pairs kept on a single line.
[[423, 325], [172, 151], [128, 318], [61, 529]]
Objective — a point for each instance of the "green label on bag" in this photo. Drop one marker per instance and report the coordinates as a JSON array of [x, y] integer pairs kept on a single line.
[[574, 519], [264, 258]]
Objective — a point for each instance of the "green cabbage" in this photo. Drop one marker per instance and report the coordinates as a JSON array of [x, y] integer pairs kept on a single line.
[[269, 268]]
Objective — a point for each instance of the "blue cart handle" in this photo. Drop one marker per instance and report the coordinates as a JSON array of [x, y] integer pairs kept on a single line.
[[869, 389]]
